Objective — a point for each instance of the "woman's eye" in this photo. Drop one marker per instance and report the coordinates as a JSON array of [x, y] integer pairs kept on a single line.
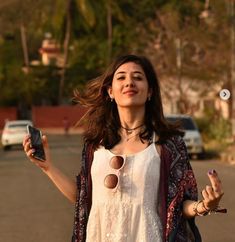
[[139, 78], [121, 78]]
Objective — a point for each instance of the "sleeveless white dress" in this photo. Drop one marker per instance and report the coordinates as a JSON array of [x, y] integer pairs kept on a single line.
[[128, 214]]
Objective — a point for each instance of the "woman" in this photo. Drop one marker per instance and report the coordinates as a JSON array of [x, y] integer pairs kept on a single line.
[[136, 183]]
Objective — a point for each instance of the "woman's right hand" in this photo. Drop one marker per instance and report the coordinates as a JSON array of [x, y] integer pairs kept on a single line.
[[44, 165]]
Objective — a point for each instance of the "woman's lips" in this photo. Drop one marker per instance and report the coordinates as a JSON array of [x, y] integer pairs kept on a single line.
[[130, 92]]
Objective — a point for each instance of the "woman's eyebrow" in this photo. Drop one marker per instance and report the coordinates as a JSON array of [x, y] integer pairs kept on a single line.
[[120, 72], [134, 72], [138, 72]]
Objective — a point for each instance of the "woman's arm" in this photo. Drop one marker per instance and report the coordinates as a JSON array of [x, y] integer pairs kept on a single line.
[[66, 185], [211, 198], [189, 207]]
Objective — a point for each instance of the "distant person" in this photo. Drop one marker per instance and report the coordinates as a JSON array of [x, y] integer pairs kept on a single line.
[[136, 183], [66, 124]]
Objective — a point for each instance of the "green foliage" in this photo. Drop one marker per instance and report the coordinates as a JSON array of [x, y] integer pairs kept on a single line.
[[82, 63], [214, 127], [46, 89], [136, 27], [10, 50], [87, 11]]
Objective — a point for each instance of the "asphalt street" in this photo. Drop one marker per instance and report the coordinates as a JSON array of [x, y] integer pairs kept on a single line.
[[33, 210]]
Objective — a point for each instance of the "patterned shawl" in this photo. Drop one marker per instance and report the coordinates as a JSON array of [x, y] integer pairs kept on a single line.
[[177, 184]]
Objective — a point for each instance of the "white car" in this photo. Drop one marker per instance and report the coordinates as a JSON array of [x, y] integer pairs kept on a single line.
[[192, 136], [14, 132]]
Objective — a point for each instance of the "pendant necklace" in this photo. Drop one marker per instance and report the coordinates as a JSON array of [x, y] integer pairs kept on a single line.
[[130, 130]]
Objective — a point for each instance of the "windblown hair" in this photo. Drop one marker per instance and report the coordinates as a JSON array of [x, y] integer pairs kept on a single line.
[[102, 119]]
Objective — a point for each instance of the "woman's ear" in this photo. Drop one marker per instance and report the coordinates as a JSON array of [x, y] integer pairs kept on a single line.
[[110, 92], [150, 92]]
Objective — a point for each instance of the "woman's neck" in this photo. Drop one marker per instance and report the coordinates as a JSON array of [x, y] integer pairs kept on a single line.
[[131, 118], [132, 123]]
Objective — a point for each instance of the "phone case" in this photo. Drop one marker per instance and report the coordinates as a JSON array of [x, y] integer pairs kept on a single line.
[[36, 143]]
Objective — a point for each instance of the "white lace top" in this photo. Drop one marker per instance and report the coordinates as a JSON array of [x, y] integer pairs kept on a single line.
[[130, 213]]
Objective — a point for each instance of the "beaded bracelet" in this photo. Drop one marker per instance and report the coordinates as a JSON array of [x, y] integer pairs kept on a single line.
[[215, 210], [196, 211], [218, 209], [207, 211]]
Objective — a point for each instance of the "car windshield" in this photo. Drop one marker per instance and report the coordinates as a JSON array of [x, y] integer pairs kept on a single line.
[[187, 123], [17, 125]]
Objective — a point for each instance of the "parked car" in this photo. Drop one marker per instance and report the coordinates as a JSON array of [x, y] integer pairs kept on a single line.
[[192, 136], [14, 132]]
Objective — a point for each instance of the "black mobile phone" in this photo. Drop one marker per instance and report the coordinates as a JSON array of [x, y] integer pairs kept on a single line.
[[36, 143]]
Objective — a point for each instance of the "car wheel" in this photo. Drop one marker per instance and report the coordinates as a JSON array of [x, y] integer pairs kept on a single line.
[[194, 156], [199, 156], [7, 147]]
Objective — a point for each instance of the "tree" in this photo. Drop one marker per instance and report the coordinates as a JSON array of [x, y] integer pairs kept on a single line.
[[66, 20], [93, 32]]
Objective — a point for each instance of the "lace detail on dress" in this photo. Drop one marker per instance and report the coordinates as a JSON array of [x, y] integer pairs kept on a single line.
[[130, 213], [154, 229], [117, 218]]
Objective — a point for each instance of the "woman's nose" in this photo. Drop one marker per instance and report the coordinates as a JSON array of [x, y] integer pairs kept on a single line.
[[129, 82]]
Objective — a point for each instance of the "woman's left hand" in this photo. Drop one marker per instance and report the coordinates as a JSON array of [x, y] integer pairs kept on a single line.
[[212, 194]]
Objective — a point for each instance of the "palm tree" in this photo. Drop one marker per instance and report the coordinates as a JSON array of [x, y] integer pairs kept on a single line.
[[84, 8], [64, 19]]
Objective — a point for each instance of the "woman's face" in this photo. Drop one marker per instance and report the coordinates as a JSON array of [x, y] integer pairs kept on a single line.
[[129, 86]]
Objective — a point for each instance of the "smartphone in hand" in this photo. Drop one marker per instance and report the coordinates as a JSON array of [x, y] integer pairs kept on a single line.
[[36, 143]]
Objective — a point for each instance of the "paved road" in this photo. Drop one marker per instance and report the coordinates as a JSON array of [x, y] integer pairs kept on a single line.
[[32, 210], [217, 227]]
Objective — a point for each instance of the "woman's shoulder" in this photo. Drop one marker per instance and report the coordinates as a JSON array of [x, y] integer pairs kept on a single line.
[[176, 140], [176, 145], [177, 151], [87, 153]]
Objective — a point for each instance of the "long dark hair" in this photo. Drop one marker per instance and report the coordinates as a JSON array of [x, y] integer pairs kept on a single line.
[[102, 120]]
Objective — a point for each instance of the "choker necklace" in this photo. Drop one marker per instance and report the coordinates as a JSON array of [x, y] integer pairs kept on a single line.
[[129, 131]]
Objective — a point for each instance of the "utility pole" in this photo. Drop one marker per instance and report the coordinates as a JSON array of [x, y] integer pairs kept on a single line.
[[67, 38], [232, 67], [110, 29], [178, 43], [25, 48]]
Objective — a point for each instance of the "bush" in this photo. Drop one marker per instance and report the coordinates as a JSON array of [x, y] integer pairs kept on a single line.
[[214, 127]]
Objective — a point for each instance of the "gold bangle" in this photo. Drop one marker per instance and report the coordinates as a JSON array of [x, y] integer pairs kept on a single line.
[[195, 205], [216, 210], [207, 210]]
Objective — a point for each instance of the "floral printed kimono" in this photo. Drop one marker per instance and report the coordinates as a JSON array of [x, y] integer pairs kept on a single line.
[[177, 184]]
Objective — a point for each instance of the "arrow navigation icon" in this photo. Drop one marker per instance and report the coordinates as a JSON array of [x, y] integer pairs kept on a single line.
[[224, 94]]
